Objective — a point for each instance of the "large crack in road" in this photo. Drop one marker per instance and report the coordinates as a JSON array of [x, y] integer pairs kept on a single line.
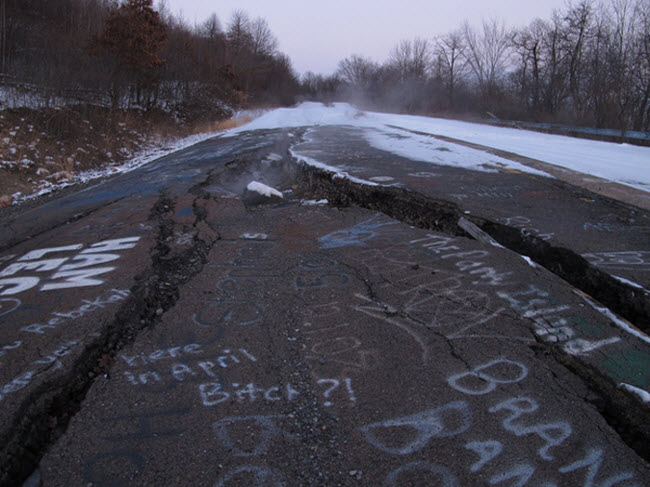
[[418, 210], [194, 234], [625, 414], [47, 410]]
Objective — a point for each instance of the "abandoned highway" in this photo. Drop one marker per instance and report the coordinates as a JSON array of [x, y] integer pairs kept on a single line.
[[386, 322]]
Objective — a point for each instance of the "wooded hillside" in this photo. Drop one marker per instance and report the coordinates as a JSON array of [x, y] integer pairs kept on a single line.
[[128, 54]]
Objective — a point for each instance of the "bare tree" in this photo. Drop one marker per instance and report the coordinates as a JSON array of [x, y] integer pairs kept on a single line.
[[211, 28], [641, 71], [357, 71], [239, 33], [536, 50], [622, 53], [576, 31], [411, 59], [487, 54], [555, 66], [451, 63], [264, 42]]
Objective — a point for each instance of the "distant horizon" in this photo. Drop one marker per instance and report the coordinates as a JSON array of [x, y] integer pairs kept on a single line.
[[317, 38]]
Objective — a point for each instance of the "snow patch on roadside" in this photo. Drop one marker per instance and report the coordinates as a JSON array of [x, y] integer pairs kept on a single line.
[[630, 283], [336, 172], [529, 261], [141, 158], [642, 394], [263, 189], [622, 163], [427, 149]]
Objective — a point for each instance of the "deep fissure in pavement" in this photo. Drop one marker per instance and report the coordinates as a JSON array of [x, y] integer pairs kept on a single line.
[[46, 412], [627, 416], [415, 209]]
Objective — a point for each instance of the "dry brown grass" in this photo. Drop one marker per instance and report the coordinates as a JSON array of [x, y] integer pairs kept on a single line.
[[221, 125], [53, 144]]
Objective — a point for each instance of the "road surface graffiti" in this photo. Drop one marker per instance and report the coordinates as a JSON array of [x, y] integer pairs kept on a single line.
[[57, 318], [214, 393], [631, 260], [444, 421], [356, 235], [556, 322], [63, 272], [524, 225]]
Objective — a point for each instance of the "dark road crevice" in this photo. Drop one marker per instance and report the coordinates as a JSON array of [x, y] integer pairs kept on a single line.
[[625, 414], [45, 413], [631, 303], [443, 216]]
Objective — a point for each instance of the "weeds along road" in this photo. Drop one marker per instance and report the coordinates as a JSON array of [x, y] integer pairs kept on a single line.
[[440, 327]]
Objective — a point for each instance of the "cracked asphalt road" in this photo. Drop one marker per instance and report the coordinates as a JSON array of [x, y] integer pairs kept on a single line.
[[162, 329]]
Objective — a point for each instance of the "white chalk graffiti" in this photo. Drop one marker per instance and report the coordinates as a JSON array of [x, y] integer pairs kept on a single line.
[[592, 462], [615, 226], [333, 385], [511, 372], [12, 346], [19, 382], [469, 262], [630, 260], [441, 422], [387, 314], [553, 434], [65, 272], [88, 306], [254, 236], [522, 472], [443, 475], [236, 311], [526, 230], [356, 235], [262, 428], [51, 361], [6, 258], [487, 451], [183, 371], [443, 302], [184, 239], [53, 357], [7, 305], [162, 354], [213, 393], [550, 320], [345, 351]]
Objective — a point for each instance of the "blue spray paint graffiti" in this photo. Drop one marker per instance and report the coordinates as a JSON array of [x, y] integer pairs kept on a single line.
[[356, 235]]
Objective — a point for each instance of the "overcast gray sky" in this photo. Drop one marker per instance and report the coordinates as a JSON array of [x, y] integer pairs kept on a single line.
[[317, 34]]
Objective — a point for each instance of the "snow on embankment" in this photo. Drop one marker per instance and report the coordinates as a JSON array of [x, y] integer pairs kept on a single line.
[[263, 189], [622, 163]]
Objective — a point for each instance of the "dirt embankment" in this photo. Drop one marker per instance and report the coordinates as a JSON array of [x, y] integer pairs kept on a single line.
[[46, 146]]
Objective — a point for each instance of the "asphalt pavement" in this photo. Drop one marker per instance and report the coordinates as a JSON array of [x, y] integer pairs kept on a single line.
[[167, 327]]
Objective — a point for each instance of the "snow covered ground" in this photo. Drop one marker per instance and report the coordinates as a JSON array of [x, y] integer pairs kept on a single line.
[[140, 159], [622, 163]]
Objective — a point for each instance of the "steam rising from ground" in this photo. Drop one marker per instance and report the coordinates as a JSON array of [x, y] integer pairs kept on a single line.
[[625, 164]]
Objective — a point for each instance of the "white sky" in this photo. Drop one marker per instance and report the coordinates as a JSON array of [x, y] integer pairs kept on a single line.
[[317, 34]]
